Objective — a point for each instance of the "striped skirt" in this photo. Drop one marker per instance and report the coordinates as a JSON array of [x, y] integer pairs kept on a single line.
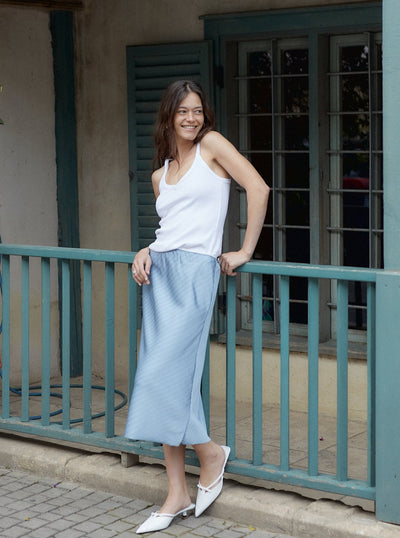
[[166, 405]]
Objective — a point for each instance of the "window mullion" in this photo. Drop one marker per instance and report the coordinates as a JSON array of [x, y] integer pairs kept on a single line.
[[243, 147], [371, 146], [278, 232], [375, 118], [335, 205], [319, 167], [336, 220]]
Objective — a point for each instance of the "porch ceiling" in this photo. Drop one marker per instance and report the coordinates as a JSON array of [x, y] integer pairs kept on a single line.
[[47, 4]]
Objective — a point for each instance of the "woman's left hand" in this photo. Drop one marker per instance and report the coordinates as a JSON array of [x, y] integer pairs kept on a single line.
[[229, 261]]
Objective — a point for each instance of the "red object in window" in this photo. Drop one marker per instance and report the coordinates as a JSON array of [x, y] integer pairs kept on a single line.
[[356, 183]]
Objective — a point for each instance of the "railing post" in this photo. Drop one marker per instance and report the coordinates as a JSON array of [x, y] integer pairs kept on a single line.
[[313, 364], [285, 374], [66, 342], [5, 378], [25, 338], [231, 365], [109, 347], [387, 397], [342, 380], [45, 272], [257, 370], [87, 346]]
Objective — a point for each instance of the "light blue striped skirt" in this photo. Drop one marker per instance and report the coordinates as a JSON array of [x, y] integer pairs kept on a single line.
[[166, 405]]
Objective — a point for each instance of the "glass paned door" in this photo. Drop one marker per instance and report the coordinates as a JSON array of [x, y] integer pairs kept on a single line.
[[355, 151], [273, 133], [274, 136]]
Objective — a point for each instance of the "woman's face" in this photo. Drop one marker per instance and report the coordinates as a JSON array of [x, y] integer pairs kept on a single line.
[[189, 118]]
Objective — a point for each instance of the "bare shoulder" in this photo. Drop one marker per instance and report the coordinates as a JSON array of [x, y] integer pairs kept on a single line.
[[157, 175], [216, 151], [155, 180], [213, 141], [212, 136], [223, 157], [215, 146]]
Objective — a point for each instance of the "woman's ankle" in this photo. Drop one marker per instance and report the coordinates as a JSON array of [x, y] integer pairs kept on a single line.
[[211, 463], [175, 502]]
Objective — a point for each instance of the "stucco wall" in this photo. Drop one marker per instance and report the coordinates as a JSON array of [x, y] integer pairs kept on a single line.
[[28, 204], [103, 31], [298, 382]]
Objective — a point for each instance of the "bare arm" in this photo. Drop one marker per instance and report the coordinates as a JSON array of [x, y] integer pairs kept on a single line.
[[222, 153], [142, 263]]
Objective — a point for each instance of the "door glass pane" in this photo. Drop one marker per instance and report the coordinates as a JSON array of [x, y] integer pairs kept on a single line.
[[354, 58], [259, 63], [259, 96], [355, 164], [297, 171], [298, 211], [356, 172], [355, 132], [298, 249], [355, 92], [260, 129], [298, 303], [296, 133], [262, 162]]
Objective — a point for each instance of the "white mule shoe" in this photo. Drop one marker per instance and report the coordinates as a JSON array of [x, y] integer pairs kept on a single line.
[[207, 495], [159, 522]]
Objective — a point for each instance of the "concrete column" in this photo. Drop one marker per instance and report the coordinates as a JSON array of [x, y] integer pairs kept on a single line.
[[388, 283], [387, 397], [391, 133]]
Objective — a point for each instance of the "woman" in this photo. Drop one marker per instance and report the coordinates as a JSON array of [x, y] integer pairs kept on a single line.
[[180, 271]]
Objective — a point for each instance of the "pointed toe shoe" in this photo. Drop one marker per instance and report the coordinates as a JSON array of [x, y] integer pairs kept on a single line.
[[159, 522]]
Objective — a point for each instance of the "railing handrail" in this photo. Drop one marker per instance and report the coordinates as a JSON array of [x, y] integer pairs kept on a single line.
[[254, 266], [67, 253], [309, 271]]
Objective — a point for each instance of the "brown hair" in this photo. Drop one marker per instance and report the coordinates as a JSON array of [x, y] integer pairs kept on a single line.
[[164, 135]]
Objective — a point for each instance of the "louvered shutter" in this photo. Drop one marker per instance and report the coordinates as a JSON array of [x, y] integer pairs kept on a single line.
[[150, 68]]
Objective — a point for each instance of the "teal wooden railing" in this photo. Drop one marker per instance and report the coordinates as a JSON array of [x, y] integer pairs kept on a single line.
[[65, 429], [340, 482], [46, 426]]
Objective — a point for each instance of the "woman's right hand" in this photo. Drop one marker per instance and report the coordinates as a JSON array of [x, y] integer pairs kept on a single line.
[[141, 267]]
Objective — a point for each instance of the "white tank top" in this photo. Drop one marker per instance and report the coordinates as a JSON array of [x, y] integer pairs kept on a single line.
[[192, 212]]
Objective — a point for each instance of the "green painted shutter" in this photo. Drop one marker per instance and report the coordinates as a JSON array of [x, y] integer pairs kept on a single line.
[[150, 68]]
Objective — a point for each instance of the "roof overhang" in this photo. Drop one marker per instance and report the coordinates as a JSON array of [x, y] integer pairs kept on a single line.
[[62, 5]]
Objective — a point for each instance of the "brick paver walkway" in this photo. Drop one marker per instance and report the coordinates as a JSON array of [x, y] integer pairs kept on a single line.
[[42, 508]]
